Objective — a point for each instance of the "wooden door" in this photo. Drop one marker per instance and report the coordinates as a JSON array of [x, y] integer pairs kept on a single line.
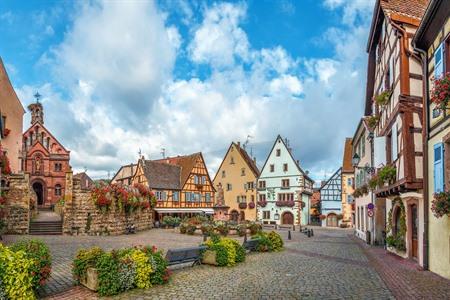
[[234, 216], [332, 220], [414, 231], [288, 218]]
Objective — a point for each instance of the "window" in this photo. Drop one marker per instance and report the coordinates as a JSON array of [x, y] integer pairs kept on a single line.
[[285, 183], [241, 199], [363, 145], [159, 195], [196, 179], [203, 179], [266, 214], [229, 187], [188, 197], [285, 197], [438, 168], [58, 167], [232, 160], [278, 152], [243, 172], [207, 197], [438, 62], [58, 190], [394, 143], [176, 196], [223, 174], [262, 197], [387, 79], [272, 168], [262, 184], [285, 167], [350, 199], [349, 181], [250, 185]]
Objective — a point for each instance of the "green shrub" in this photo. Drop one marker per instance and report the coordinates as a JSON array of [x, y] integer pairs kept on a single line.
[[228, 251], [190, 229], [276, 240], [15, 273], [240, 251], [241, 229], [108, 275], [183, 228], [37, 251], [207, 229], [171, 221], [3, 295], [159, 266], [223, 229], [255, 228], [264, 244], [85, 258], [143, 269]]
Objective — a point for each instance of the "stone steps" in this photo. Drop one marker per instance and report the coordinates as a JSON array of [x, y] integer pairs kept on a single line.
[[45, 227]]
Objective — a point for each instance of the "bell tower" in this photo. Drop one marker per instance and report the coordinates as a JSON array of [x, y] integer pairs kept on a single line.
[[37, 110]]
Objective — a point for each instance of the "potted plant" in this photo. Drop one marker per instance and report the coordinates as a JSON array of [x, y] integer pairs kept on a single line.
[[383, 98], [242, 205], [251, 205], [322, 217], [387, 174], [440, 93], [372, 121], [440, 205]]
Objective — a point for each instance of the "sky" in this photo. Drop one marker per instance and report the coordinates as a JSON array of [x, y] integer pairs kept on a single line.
[[119, 77]]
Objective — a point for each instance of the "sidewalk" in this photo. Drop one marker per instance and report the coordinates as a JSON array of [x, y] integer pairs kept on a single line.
[[403, 277]]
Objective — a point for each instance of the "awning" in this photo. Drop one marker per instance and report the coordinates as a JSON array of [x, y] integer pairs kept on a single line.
[[208, 211]]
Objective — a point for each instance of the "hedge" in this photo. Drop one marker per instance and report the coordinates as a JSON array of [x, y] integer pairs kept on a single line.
[[268, 242]]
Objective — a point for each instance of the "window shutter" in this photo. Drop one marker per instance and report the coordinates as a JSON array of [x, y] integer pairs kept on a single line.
[[394, 143], [438, 168], [438, 61]]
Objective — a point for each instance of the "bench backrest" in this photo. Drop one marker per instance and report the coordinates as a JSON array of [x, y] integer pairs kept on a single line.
[[184, 254], [251, 244]]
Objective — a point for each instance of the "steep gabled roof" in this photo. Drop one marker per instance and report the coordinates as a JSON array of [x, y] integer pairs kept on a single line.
[[411, 8], [433, 20], [126, 171], [186, 162], [85, 181], [331, 178], [295, 161], [162, 175], [347, 166], [47, 132]]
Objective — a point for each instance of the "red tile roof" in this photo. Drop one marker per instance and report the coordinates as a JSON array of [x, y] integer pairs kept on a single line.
[[347, 166], [186, 163], [411, 8]]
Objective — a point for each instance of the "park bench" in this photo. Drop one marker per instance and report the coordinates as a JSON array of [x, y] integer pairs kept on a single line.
[[251, 245], [185, 255]]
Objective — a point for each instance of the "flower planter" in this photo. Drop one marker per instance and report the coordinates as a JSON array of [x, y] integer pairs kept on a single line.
[[209, 257], [91, 280], [242, 205], [262, 203], [251, 205]]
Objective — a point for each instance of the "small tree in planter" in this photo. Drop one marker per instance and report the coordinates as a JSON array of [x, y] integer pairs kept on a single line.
[[440, 94], [440, 205]]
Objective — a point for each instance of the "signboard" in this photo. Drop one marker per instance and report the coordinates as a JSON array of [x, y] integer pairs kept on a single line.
[[370, 213], [370, 206]]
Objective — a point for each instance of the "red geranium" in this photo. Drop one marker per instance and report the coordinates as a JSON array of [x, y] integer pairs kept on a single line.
[[440, 94]]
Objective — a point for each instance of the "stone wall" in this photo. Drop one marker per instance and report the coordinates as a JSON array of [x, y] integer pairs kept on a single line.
[[81, 217], [17, 209]]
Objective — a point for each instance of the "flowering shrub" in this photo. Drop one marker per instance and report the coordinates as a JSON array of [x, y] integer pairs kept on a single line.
[[268, 242], [254, 228], [387, 174], [372, 121], [440, 93], [228, 251], [39, 253], [241, 229], [143, 269], [440, 205], [383, 97]]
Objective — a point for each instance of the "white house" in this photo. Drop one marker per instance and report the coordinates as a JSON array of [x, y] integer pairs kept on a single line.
[[284, 189]]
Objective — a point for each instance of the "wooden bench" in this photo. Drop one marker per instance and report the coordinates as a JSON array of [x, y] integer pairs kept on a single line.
[[251, 245], [185, 255]]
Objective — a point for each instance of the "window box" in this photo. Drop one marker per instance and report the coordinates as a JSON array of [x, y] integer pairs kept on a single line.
[[251, 205], [262, 203], [243, 205], [285, 203]]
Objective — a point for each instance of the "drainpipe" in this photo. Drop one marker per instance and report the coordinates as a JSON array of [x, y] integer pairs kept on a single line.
[[425, 112], [372, 200]]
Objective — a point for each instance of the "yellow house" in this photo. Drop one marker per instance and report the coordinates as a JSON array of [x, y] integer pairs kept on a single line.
[[348, 177], [237, 177], [432, 40]]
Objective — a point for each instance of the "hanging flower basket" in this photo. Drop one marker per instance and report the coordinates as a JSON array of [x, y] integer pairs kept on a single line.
[[387, 174], [251, 205], [262, 203], [440, 94], [383, 98], [6, 132], [243, 205], [440, 205], [372, 121]]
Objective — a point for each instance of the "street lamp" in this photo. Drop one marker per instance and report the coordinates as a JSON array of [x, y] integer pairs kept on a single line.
[[355, 162]]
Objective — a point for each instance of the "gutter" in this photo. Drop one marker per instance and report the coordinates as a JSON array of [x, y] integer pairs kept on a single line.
[[425, 133]]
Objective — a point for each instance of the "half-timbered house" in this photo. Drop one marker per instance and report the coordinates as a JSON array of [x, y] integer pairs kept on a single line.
[[432, 40], [181, 185], [331, 199], [348, 178], [394, 106]]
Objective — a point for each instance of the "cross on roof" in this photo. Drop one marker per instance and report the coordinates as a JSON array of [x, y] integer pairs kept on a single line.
[[37, 96]]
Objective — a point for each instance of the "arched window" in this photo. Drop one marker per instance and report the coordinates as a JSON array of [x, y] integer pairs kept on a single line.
[[58, 190]]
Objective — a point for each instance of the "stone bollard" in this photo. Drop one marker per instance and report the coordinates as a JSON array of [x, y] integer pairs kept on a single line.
[[289, 235], [245, 237], [312, 232], [309, 233], [205, 237]]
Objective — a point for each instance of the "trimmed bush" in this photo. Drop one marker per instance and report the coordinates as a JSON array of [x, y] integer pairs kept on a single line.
[[85, 258], [108, 275], [277, 241], [223, 229], [190, 229], [228, 251], [241, 229], [269, 241], [255, 228]]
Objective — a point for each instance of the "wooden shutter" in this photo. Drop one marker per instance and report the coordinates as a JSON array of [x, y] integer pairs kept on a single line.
[[438, 62], [438, 168]]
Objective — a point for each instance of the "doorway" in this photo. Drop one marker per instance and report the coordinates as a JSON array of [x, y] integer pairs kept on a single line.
[[242, 216], [234, 216], [414, 230], [288, 218], [39, 190], [332, 220]]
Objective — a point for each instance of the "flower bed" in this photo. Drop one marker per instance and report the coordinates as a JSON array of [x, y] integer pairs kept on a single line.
[[192, 225], [111, 273], [262, 203], [24, 268]]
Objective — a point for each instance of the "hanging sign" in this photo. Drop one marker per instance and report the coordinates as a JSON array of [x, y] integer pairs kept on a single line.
[[370, 206]]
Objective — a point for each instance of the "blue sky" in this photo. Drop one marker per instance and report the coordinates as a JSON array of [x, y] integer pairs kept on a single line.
[[191, 76]]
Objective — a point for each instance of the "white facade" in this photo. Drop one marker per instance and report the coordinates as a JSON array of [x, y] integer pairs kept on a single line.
[[282, 179]]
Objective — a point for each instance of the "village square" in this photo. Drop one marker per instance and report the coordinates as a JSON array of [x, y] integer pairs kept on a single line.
[[90, 209]]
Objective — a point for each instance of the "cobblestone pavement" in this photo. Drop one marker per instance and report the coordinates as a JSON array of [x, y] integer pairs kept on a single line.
[[331, 265]]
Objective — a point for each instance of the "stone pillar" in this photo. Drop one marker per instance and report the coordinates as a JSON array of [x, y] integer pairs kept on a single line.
[[68, 210]]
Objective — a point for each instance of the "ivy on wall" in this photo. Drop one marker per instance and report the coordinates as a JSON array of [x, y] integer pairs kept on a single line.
[[397, 239]]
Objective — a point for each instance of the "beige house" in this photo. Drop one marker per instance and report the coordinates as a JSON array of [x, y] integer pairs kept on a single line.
[[433, 40], [11, 113], [348, 179], [125, 174], [237, 177]]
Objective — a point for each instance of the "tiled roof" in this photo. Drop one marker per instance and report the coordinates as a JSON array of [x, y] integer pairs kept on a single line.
[[162, 175], [411, 8], [186, 163], [85, 181], [347, 166], [249, 161]]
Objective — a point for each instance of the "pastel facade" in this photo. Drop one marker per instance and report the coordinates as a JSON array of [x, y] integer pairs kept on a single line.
[[237, 176], [395, 68], [282, 187], [45, 159], [348, 178], [331, 200], [433, 40], [11, 114]]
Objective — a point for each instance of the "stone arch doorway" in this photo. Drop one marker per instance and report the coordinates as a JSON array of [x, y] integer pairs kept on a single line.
[[242, 216], [332, 220], [287, 218], [38, 188], [234, 216]]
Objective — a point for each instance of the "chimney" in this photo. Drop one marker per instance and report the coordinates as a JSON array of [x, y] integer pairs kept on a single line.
[[239, 144]]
